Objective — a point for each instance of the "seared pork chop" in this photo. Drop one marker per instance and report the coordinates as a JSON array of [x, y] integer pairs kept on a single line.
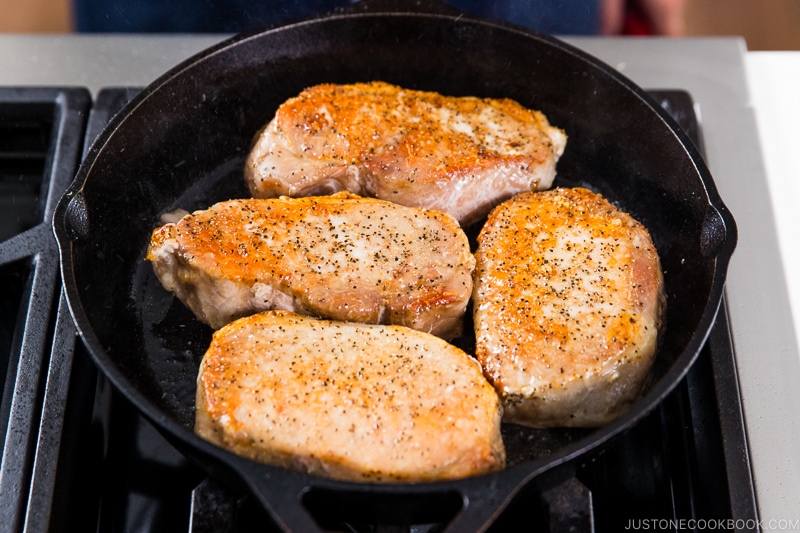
[[457, 155], [568, 302], [348, 401], [340, 256]]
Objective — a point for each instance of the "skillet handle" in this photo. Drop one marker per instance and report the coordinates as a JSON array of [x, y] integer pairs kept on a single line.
[[302, 503], [485, 499], [280, 494]]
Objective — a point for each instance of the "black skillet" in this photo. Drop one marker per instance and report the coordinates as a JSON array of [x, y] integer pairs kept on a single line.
[[181, 144]]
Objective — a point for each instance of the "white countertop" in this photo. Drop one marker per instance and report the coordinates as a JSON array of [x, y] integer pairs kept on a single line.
[[750, 116], [774, 82]]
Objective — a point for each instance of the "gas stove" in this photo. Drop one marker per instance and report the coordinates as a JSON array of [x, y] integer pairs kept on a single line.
[[77, 456], [66, 426]]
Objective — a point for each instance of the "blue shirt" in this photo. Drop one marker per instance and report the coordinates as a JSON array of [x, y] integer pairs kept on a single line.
[[566, 17]]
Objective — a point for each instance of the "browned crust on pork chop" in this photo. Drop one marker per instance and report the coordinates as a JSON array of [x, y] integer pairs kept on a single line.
[[460, 155], [348, 401], [342, 257], [568, 304]]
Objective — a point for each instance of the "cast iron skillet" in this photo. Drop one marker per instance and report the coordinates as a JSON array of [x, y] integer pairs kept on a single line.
[[181, 144]]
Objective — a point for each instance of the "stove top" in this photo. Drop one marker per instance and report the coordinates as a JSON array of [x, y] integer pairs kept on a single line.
[[77, 456]]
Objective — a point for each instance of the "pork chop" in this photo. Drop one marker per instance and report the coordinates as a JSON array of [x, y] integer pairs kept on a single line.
[[341, 256], [349, 401], [568, 303], [460, 155]]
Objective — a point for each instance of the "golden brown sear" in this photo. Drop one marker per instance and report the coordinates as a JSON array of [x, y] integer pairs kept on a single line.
[[568, 303], [342, 257], [348, 401], [460, 155]]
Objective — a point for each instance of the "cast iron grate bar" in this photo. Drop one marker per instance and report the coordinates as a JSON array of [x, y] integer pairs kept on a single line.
[[732, 436], [55, 117]]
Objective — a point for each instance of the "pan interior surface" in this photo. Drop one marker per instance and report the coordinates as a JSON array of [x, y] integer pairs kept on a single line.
[[182, 145]]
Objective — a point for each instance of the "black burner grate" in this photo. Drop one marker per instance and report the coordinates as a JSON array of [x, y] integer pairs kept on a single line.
[[78, 457], [42, 137]]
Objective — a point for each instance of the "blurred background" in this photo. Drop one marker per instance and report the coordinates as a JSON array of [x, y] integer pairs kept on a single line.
[[765, 24]]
